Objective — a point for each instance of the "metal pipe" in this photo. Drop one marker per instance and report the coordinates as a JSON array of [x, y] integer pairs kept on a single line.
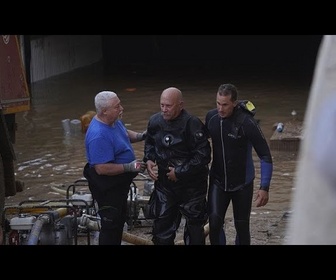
[[37, 228], [41, 221]]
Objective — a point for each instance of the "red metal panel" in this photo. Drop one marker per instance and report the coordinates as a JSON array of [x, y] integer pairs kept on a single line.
[[14, 93]]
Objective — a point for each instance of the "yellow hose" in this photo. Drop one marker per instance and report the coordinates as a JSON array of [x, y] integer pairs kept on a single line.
[[34, 210], [135, 240], [206, 233]]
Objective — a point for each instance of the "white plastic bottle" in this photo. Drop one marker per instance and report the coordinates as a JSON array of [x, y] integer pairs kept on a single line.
[[280, 127]]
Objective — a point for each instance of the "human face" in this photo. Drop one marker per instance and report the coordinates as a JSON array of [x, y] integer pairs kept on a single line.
[[170, 105], [225, 106], [113, 111]]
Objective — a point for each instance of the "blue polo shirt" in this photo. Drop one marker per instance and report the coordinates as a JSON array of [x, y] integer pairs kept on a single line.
[[108, 144]]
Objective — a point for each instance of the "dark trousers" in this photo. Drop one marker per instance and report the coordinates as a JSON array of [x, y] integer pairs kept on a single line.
[[110, 193], [171, 201], [218, 202]]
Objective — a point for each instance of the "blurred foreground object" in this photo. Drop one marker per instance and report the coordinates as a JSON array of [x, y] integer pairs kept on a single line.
[[313, 220]]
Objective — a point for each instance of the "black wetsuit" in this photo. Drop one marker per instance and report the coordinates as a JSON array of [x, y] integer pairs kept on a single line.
[[182, 144], [232, 171]]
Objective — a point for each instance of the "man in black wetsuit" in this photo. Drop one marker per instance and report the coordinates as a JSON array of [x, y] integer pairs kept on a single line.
[[234, 132], [177, 152]]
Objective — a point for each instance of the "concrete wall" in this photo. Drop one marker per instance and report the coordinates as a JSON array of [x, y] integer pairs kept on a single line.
[[57, 54]]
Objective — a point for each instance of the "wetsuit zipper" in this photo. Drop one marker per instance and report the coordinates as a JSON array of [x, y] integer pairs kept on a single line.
[[223, 154]]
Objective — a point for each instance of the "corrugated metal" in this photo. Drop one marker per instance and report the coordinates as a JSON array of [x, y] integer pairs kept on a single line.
[[57, 54]]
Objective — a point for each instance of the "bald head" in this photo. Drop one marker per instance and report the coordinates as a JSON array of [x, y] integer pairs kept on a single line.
[[171, 103], [172, 93]]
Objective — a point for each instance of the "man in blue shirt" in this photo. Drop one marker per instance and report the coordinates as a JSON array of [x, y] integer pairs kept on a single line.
[[111, 165]]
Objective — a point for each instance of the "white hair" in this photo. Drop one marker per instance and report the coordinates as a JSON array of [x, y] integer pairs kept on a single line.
[[102, 98]]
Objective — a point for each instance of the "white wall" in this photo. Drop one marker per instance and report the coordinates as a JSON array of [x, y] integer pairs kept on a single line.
[[57, 54]]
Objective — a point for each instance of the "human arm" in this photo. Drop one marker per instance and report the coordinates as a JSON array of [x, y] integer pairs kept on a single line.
[[136, 136], [111, 169], [198, 149], [260, 145], [266, 169], [261, 198], [150, 151], [256, 138], [171, 174], [152, 170], [150, 146]]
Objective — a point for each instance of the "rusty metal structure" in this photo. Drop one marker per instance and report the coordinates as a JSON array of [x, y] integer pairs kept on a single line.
[[14, 98]]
